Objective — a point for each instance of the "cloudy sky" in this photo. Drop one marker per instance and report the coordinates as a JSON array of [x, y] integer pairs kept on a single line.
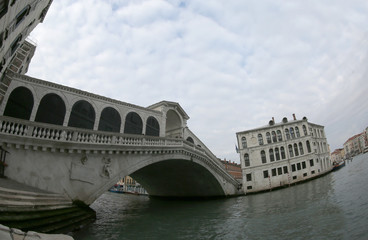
[[232, 65]]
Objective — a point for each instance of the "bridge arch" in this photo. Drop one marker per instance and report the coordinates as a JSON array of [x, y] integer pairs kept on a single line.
[[82, 115], [174, 175], [20, 103], [133, 123], [51, 109], [110, 120]]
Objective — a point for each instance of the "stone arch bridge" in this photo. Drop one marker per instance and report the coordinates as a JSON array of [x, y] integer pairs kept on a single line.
[[79, 144]]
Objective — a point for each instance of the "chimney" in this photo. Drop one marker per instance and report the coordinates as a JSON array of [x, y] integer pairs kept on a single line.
[[273, 119], [294, 116]]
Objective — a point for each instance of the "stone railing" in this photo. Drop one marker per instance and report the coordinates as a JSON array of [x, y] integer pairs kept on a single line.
[[18, 127], [36, 130]]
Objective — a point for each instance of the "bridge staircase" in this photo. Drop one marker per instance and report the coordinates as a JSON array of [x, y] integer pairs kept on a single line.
[[40, 211]]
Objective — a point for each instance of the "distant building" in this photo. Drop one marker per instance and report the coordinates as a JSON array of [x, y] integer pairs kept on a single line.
[[353, 146], [17, 20], [282, 153], [338, 155], [233, 168]]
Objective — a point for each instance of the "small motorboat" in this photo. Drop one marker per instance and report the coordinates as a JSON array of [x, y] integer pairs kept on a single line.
[[338, 165]]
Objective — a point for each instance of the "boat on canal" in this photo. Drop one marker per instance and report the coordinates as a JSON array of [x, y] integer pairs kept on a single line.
[[117, 188], [338, 165]]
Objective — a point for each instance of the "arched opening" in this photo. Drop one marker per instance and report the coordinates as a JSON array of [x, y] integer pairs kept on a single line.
[[51, 110], [152, 127], [82, 115], [110, 120], [20, 103], [178, 178], [133, 124], [173, 124], [189, 139]]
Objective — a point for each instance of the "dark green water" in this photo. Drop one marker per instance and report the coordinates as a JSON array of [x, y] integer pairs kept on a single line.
[[331, 207]]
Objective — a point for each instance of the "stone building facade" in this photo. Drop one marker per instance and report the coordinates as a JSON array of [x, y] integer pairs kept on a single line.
[[17, 20], [233, 168], [282, 153]]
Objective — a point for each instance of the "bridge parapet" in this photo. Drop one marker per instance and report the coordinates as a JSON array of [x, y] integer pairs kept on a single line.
[[81, 138]]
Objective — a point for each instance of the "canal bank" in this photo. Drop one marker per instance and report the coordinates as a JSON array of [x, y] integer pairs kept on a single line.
[[334, 206], [26, 209]]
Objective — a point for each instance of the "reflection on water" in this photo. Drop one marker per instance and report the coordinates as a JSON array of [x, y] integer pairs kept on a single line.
[[331, 207]]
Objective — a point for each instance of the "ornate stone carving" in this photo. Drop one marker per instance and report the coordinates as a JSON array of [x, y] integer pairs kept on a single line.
[[106, 168], [84, 159]]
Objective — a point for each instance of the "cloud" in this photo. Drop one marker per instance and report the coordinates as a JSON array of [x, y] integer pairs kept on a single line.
[[232, 66]]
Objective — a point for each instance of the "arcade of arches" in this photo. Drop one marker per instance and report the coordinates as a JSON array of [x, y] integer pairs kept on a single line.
[[52, 110]]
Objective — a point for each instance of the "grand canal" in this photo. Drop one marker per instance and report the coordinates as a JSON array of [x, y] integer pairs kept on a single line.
[[334, 206]]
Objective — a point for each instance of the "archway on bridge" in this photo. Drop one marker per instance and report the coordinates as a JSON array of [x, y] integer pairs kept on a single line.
[[20, 104], [173, 124], [178, 178], [51, 110]]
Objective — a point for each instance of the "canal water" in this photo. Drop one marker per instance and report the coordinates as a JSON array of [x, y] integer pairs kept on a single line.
[[334, 206]]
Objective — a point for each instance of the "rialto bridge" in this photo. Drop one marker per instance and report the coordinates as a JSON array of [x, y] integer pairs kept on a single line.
[[79, 144]]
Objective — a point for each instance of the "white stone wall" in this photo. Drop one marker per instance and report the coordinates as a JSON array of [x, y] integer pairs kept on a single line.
[[319, 153]]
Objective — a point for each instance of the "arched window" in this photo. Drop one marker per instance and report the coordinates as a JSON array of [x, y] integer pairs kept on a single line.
[[110, 120], [282, 150], [277, 153], [263, 157], [51, 110], [297, 132], [152, 127], [189, 139], [133, 124], [246, 160], [305, 130], [296, 149], [291, 151], [292, 132], [301, 150], [287, 134], [82, 115], [244, 142], [272, 157], [309, 147], [260, 139], [274, 139], [268, 137], [20, 103], [279, 136]]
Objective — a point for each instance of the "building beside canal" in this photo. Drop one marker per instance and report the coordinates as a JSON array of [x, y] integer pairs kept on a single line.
[[233, 168], [283, 153], [17, 20]]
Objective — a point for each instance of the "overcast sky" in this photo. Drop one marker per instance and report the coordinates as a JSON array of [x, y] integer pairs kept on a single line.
[[232, 65]]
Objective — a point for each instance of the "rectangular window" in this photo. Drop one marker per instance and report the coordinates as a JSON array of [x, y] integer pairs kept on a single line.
[[249, 177], [305, 174], [311, 163], [298, 166], [273, 172], [249, 187], [265, 174], [279, 171], [304, 165], [312, 172], [3, 7], [286, 169], [293, 168], [294, 177]]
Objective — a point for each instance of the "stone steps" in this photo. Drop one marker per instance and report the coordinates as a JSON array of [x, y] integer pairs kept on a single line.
[[41, 211]]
